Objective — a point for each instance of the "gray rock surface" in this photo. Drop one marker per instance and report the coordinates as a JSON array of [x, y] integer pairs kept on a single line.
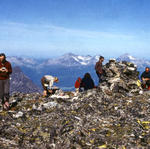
[[112, 116]]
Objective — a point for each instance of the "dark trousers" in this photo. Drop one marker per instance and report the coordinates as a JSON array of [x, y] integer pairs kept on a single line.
[[4, 90], [99, 76], [145, 84]]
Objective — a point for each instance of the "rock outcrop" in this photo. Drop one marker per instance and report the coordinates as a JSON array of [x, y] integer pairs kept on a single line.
[[120, 77], [114, 115]]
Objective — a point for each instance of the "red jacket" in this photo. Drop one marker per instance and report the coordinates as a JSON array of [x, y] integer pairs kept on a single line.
[[5, 75], [77, 83]]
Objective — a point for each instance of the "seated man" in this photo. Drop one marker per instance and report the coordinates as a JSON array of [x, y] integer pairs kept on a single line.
[[145, 77], [47, 82]]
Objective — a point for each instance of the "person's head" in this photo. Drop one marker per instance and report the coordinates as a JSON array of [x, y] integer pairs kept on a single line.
[[147, 69], [2, 57], [56, 79], [79, 79], [101, 58], [87, 75]]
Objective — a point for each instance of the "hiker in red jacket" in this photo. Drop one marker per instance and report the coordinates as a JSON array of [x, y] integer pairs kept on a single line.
[[5, 71], [98, 68], [77, 84]]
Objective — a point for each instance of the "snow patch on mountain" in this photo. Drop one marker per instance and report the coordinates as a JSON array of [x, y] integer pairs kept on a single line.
[[17, 61], [140, 63], [131, 57]]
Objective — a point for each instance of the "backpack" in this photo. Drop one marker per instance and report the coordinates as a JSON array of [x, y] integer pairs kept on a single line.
[[77, 83]]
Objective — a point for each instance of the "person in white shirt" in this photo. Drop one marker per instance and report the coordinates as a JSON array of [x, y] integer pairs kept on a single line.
[[47, 82]]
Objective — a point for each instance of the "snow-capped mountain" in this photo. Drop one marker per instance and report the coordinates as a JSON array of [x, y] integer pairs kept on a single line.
[[22, 61], [126, 57], [70, 59], [140, 63]]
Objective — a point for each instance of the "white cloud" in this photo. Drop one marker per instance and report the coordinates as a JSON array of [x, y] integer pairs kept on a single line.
[[40, 38], [20, 30]]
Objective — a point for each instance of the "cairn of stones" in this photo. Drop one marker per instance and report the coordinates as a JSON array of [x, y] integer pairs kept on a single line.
[[120, 77]]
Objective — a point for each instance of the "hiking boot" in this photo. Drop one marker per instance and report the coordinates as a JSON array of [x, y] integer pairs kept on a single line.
[[6, 106]]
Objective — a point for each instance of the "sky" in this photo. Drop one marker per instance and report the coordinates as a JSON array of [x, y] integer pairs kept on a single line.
[[51, 28]]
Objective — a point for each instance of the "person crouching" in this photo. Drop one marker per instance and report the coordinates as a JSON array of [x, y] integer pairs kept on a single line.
[[47, 82]]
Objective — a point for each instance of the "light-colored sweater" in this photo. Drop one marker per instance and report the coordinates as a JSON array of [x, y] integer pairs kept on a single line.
[[50, 79]]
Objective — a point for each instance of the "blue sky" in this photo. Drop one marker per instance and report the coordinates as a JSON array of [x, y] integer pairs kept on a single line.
[[50, 28]]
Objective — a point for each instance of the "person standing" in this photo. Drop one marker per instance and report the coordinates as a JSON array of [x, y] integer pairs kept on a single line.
[[98, 68], [5, 71]]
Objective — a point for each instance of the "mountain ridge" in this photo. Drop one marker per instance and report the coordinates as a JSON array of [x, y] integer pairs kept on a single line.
[[68, 67], [70, 59]]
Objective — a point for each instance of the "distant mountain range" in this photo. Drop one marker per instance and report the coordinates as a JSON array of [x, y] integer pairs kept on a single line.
[[67, 67], [71, 59], [140, 63], [68, 59]]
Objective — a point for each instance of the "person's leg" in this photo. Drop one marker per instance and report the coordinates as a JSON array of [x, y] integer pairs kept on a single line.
[[6, 92], [143, 84], [2, 91], [99, 76], [44, 87], [148, 84]]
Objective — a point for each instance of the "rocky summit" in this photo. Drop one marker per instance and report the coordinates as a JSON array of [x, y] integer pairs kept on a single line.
[[116, 115]]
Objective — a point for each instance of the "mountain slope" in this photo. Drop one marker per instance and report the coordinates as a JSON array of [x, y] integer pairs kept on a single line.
[[21, 83]]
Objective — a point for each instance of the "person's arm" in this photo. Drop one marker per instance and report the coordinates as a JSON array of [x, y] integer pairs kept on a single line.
[[43, 82], [96, 66], [9, 68], [142, 76], [51, 82], [82, 83]]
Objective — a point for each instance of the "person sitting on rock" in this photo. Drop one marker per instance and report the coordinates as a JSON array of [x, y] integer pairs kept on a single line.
[[145, 77], [47, 82], [87, 82]]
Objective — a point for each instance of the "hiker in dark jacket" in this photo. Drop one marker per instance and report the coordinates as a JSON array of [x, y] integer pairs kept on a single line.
[[98, 68], [87, 82], [145, 77], [5, 71]]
